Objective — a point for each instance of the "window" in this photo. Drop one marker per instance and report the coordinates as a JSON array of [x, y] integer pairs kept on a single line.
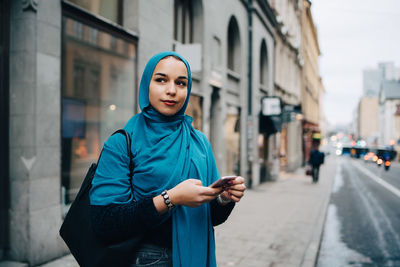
[[183, 21], [109, 9], [98, 93], [263, 64], [233, 46]]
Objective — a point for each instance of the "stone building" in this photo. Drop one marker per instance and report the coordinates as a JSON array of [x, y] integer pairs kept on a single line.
[[376, 97], [69, 78], [287, 79], [368, 119], [389, 114], [312, 88]]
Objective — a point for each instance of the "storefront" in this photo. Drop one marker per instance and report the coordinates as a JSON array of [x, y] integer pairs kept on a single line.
[[267, 145], [71, 82], [98, 85], [291, 143], [270, 123]]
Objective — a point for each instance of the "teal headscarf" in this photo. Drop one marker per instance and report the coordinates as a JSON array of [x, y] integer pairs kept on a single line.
[[167, 150]]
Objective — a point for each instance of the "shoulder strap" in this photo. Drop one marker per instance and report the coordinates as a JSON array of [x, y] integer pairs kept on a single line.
[[128, 148]]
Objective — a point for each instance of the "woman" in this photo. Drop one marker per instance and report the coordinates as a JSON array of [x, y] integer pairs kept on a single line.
[[173, 167]]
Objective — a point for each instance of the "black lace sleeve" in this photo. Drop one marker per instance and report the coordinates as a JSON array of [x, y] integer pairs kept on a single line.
[[116, 222], [219, 213]]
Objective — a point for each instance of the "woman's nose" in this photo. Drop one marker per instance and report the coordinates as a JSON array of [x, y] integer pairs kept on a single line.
[[171, 90]]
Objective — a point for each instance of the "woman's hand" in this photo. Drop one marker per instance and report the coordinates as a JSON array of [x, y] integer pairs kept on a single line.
[[191, 193], [235, 191]]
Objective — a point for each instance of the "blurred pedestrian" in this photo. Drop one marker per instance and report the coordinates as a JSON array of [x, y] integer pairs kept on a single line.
[[173, 167], [316, 159]]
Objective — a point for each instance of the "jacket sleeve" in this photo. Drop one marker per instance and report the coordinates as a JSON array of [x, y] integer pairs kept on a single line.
[[116, 222], [219, 213]]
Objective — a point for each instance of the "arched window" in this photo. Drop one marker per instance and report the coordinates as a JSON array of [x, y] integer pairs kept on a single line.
[[263, 65], [233, 46], [183, 21]]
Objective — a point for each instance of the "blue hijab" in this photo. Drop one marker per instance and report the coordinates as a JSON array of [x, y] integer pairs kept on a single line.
[[167, 150]]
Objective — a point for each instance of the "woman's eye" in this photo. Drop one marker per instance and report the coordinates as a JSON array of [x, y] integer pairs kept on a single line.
[[181, 83], [160, 80]]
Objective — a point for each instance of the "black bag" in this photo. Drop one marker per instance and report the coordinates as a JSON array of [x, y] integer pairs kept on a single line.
[[309, 170], [78, 234]]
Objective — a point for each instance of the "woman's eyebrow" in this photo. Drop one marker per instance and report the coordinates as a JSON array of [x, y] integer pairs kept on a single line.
[[165, 75]]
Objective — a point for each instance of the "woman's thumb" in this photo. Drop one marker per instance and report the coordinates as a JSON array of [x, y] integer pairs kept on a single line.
[[196, 181]]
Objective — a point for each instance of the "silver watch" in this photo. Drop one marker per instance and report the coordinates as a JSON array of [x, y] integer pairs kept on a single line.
[[222, 201]]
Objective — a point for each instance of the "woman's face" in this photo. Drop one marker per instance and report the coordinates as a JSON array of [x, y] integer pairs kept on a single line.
[[168, 86]]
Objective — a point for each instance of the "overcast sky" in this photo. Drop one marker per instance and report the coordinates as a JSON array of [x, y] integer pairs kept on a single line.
[[353, 35]]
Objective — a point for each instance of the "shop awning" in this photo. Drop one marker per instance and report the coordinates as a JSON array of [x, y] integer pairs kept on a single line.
[[270, 124]]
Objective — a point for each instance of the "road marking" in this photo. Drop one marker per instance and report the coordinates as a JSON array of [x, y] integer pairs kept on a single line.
[[377, 179]]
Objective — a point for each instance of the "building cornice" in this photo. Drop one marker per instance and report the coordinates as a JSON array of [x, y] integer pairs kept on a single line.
[[267, 10]]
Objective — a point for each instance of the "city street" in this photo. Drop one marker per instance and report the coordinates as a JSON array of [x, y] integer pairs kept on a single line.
[[354, 208], [363, 220]]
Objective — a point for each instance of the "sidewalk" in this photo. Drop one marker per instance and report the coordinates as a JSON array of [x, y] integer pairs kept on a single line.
[[276, 224]]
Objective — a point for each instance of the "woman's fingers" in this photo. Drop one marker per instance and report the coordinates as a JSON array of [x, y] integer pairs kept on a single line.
[[235, 198], [208, 191], [238, 184], [238, 187], [236, 191]]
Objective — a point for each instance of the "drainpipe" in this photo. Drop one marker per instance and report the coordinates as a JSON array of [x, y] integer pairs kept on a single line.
[[250, 124]]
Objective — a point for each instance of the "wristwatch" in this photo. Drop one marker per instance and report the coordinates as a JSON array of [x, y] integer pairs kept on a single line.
[[167, 201], [222, 201]]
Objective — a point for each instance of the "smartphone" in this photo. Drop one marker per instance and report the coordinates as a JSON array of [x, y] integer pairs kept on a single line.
[[223, 182]]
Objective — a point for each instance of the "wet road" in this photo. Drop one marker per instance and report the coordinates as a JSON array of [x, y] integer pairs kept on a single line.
[[362, 227]]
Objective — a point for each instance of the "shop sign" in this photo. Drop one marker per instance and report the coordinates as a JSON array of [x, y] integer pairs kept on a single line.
[[271, 106]]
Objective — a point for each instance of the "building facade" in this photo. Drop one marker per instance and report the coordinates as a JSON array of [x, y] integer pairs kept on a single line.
[[389, 115], [287, 83], [312, 88], [372, 78], [368, 120], [376, 120], [70, 74]]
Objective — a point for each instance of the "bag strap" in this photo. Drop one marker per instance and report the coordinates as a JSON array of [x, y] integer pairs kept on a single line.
[[128, 148]]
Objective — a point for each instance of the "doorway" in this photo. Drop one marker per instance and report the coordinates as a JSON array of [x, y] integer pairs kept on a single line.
[[215, 125], [4, 120]]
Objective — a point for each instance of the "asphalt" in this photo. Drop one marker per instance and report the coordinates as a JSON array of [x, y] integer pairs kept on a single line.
[[278, 223]]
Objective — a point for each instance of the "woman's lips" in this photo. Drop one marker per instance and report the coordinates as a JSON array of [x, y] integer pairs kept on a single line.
[[169, 102]]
